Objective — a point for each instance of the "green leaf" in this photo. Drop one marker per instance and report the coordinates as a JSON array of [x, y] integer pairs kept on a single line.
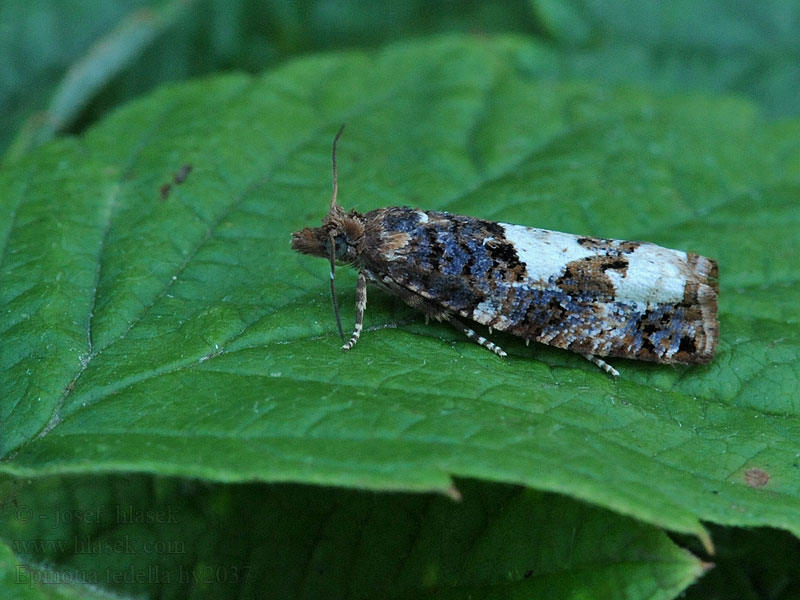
[[82, 58], [107, 57], [54, 56], [166, 538], [171, 329], [748, 48]]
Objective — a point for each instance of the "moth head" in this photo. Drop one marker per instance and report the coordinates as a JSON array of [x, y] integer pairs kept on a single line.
[[338, 239], [340, 236]]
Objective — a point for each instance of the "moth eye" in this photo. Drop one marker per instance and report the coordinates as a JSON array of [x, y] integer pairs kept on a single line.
[[341, 246]]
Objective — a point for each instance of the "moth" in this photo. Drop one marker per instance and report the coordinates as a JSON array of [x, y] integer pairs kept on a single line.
[[595, 296]]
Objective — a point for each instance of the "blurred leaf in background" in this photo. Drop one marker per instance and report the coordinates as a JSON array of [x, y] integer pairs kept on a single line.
[[178, 539], [64, 64], [747, 47]]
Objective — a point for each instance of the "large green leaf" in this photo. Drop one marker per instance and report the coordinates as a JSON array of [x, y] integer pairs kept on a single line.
[[174, 331], [176, 539]]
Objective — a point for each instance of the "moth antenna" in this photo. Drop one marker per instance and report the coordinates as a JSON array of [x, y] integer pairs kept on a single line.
[[335, 178], [333, 267]]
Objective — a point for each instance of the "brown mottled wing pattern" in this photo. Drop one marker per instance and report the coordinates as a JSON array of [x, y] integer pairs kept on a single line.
[[589, 295]]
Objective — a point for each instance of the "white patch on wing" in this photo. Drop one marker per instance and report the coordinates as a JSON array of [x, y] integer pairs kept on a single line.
[[655, 275], [490, 314], [423, 218], [545, 253], [484, 312]]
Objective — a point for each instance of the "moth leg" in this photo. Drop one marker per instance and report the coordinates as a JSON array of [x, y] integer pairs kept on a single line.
[[361, 305], [470, 333], [602, 364]]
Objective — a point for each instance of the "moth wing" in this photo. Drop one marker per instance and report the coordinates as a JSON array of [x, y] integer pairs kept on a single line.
[[590, 295]]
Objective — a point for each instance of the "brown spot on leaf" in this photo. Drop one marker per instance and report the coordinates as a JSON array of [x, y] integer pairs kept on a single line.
[[756, 478], [165, 190], [182, 174]]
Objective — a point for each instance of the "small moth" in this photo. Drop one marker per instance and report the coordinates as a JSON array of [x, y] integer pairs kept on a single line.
[[595, 296]]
